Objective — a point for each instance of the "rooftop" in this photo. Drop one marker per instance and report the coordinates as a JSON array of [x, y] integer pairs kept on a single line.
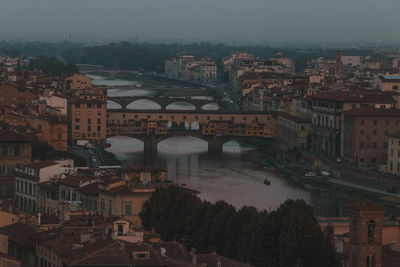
[[373, 112], [365, 204], [7, 136]]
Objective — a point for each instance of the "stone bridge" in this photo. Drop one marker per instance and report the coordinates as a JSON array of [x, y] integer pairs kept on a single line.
[[162, 102], [215, 127]]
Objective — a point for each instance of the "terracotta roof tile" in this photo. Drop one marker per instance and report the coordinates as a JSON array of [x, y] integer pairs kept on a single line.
[[365, 204]]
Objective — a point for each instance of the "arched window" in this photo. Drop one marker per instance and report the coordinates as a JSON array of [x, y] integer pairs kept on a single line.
[[355, 261], [370, 261], [354, 229], [371, 228]]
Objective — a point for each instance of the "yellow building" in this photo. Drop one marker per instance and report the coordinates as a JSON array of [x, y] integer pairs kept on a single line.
[[117, 199]]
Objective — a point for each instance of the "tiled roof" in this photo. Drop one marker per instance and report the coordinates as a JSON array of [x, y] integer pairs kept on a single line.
[[373, 112], [7, 136], [390, 257], [20, 233], [292, 118], [41, 164], [365, 204], [214, 260]]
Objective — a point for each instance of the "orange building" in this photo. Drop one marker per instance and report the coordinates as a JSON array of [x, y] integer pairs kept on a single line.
[[11, 95], [87, 112]]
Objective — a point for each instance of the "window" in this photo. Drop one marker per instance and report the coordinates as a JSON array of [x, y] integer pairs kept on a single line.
[[385, 144], [374, 132], [374, 145], [98, 121], [371, 229], [362, 122], [63, 194], [59, 135], [98, 105], [77, 120], [110, 207], [361, 131], [77, 105], [77, 112], [120, 230], [102, 205], [375, 122], [76, 127], [10, 151], [89, 120], [17, 151], [361, 144], [128, 209]]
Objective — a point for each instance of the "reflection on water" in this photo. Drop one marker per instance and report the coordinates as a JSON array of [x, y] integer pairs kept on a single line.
[[236, 176]]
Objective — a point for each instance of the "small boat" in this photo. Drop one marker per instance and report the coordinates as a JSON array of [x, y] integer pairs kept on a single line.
[[267, 182], [325, 173], [310, 174]]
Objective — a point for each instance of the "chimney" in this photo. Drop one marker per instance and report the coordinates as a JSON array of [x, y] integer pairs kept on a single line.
[[194, 255]]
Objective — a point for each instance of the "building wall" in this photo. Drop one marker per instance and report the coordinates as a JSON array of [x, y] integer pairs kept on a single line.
[[366, 139], [78, 81], [88, 123], [293, 134], [7, 218], [393, 155], [118, 205]]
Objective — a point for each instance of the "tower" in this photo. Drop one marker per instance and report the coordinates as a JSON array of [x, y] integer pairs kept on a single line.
[[338, 63], [365, 219]]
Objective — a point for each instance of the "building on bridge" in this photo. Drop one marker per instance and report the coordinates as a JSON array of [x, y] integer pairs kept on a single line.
[[216, 128]]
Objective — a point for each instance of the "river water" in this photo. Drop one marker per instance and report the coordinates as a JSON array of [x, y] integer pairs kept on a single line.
[[236, 176]]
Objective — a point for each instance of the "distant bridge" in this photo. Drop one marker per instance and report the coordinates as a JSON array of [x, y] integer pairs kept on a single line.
[[215, 127], [124, 101]]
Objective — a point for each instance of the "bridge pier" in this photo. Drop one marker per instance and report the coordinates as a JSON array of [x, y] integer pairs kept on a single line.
[[215, 144], [150, 144]]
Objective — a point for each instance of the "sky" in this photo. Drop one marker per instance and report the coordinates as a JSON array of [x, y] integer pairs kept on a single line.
[[201, 20]]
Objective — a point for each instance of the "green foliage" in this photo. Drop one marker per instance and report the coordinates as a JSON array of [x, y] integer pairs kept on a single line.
[[56, 155], [52, 65], [285, 237], [109, 158], [40, 148]]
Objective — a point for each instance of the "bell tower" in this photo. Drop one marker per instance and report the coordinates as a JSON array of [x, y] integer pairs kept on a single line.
[[365, 218]]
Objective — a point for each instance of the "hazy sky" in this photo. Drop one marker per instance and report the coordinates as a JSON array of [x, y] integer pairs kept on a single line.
[[219, 20]]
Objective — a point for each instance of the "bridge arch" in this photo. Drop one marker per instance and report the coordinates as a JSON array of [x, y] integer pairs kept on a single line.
[[113, 105], [144, 104], [210, 106], [180, 105]]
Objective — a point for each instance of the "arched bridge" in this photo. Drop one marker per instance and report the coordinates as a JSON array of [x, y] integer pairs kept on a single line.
[[162, 102], [215, 127]]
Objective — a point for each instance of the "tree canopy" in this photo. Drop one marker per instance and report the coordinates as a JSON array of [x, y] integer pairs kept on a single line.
[[285, 237]]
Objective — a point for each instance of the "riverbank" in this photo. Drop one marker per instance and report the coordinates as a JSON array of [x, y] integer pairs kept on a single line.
[[292, 166]]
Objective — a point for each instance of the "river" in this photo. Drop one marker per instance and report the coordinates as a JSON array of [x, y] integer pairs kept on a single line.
[[236, 176]]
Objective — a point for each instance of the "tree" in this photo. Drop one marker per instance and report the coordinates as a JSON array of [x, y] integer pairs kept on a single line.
[[285, 237]]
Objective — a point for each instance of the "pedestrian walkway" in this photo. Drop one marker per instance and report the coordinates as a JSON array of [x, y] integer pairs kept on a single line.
[[361, 187]]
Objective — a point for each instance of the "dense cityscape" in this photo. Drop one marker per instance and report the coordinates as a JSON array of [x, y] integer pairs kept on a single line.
[[188, 134]]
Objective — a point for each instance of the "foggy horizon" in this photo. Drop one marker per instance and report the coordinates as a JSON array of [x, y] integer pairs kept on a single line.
[[253, 21]]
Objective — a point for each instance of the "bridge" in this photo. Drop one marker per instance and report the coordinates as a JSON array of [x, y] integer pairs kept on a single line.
[[164, 102], [215, 127]]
